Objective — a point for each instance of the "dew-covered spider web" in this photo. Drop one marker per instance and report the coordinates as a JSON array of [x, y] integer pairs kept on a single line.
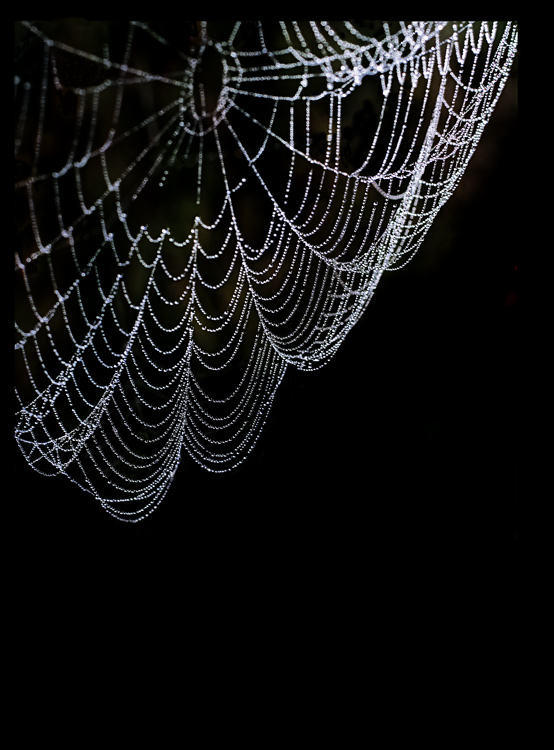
[[201, 205]]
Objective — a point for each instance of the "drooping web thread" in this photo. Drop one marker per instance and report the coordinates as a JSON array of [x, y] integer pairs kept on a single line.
[[201, 205]]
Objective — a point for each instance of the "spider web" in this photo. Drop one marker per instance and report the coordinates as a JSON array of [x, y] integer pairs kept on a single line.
[[199, 206]]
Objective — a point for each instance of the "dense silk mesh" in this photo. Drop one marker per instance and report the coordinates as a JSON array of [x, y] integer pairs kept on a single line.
[[200, 205]]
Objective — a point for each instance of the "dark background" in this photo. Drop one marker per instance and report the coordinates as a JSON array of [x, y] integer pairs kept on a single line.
[[395, 468]]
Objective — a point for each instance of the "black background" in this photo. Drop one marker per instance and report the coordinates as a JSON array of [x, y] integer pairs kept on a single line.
[[395, 468]]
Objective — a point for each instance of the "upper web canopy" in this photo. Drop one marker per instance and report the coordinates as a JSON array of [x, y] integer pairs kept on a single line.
[[199, 205]]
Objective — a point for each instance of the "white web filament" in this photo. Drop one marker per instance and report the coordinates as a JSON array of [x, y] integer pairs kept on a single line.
[[201, 205]]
